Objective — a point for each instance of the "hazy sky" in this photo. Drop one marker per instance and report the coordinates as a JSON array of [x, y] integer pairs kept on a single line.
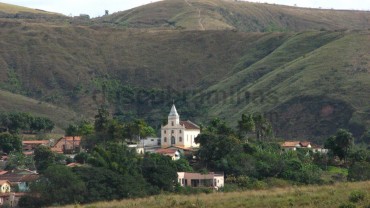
[[96, 7]]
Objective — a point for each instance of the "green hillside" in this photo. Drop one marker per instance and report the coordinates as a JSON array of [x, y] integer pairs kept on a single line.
[[307, 83], [240, 15], [61, 116]]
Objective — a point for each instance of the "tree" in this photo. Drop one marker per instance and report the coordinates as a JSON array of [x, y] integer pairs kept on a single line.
[[19, 160], [359, 171], [10, 142], [246, 125], [340, 144], [138, 129], [365, 138], [59, 185], [103, 184], [159, 171], [263, 127], [44, 158], [101, 119]]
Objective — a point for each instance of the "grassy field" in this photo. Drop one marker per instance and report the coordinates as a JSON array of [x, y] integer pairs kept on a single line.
[[240, 15], [308, 196]]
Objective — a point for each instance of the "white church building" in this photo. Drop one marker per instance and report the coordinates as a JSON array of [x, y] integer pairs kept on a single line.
[[178, 133]]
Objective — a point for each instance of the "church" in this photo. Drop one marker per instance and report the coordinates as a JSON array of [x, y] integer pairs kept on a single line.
[[178, 133]]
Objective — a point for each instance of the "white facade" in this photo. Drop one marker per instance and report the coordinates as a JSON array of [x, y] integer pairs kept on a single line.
[[215, 180], [178, 133]]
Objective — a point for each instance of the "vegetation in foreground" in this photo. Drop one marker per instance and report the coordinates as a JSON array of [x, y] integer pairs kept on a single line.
[[338, 195]]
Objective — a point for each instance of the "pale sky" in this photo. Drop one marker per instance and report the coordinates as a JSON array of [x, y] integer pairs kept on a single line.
[[97, 7]]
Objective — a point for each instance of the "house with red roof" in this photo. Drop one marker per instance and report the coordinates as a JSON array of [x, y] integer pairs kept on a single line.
[[294, 145], [67, 145], [179, 133], [173, 153]]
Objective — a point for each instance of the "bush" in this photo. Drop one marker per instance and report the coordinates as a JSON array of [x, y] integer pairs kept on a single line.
[[277, 182], [356, 196], [347, 205]]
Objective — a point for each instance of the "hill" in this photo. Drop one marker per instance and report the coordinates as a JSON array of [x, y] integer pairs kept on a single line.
[[239, 15], [13, 102], [310, 196], [14, 9], [308, 83]]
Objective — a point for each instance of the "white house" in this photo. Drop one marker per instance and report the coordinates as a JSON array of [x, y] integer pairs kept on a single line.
[[294, 145], [215, 180], [178, 133]]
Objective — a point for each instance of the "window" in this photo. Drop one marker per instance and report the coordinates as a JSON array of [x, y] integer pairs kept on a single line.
[[172, 131], [172, 123], [180, 139], [180, 130], [164, 132], [165, 139]]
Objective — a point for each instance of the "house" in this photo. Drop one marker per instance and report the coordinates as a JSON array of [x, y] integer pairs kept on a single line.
[[294, 145], [212, 179], [20, 179], [171, 152], [179, 133], [149, 144], [4, 191], [8, 198], [4, 186], [32, 144], [67, 145]]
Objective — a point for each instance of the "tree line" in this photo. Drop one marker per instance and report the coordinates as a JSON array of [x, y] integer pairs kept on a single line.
[[15, 122]]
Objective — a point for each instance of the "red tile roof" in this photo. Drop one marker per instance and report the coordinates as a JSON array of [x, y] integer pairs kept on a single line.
[[16, 178], [304, 144], [68, 142], [290, 144], [2, 172], [35, 142], [189, 125], [4, 181], [166, 151]]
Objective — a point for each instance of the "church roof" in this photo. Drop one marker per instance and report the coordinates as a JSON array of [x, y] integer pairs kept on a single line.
[[189, 125], [173, 111]]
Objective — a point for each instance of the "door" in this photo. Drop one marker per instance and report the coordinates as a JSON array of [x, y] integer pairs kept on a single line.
[[173, 140]]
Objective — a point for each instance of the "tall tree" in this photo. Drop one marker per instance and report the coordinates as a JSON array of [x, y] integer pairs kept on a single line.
[[246, 125], [340, 144], [10, 142], [44, 158], [263, 127]]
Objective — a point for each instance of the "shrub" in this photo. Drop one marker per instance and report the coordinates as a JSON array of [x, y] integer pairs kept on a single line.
[[356, 196], [347, 205]]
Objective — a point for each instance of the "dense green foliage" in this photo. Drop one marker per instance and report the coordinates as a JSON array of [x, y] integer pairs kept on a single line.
[[17, 121], [10, 142]]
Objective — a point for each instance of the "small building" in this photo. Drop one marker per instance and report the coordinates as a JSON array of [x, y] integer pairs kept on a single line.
[[171, 152], [4, 186], [294, 145], [30, 145], [67, 145], [179, 133], [20, 179], [212, 179]]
